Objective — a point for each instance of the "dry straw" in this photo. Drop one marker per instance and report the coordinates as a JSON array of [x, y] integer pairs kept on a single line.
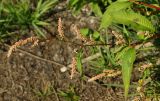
[[87, 41], [140, 88], [106, 73], [78, 34], [145, 66], [34, 40], [99, 76], [60, 28], [119, 37], [73, 67]]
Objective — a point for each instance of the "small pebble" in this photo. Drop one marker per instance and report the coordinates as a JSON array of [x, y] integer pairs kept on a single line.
[[63, 69], [21, 54]]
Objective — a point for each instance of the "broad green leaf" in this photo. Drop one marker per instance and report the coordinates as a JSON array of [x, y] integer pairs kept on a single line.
[[127, 60], [96, 9], [79, 62], [130, 18], [121, 52], [106, 20], [141, 37], [114, 7]]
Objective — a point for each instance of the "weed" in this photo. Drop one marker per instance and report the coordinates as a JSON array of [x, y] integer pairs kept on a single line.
[[20, 15], [69, 95], [46, 91], [129, 27]]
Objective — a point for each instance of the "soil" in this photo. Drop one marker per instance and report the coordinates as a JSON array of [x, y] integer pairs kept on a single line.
[[25, 78]]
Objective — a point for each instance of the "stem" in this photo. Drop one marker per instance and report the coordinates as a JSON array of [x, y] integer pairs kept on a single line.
[[145, 4]]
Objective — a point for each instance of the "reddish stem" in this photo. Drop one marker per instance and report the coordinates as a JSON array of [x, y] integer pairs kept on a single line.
[[148, 5]]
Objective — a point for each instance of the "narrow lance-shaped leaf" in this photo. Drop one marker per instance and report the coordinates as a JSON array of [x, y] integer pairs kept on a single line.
[[127, 60], [38, 31]]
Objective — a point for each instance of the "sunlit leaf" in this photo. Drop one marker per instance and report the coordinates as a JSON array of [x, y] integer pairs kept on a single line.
[[114, 7], [106, 20], [127, 60], [135, 20], [117, 6]]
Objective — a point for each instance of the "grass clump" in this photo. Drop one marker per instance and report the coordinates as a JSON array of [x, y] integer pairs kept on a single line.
[[22, 14]]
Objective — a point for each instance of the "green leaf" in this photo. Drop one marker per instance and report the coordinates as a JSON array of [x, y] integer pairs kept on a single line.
[[121, 52], [46, 6], [42, 23], [43, 7], [117, 6], [125, 31], [61, 93], [39, 4], [38, 31], [77, 5], [122, 0], [96, 9], [72, 2], [106, 20], [130, 18], [96, 35], [127, 34], [85, 31], [127, 60], [110, 57], [79, 62], [114, 7]]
